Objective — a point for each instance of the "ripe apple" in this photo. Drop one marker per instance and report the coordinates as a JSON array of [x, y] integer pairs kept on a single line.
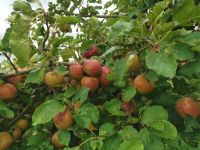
[[16, 133], [53, 79], [76, 71], [15, 80], [93, 51], [7, 91], [103, 77], [92, 68], [22, 123], [143, 85], [134, 63], [186, 106], [129, 107], [90, 82], [63, 120], [6, 140], [55, 141]]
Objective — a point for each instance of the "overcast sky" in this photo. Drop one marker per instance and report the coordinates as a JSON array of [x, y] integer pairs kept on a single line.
[[6, 8]]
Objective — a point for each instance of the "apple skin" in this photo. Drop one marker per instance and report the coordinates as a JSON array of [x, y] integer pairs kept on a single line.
[[6, 140], [91, 83], [55, 141], [92, 68], [76, 71], [16, 133], [15, 80], [63, 120], [134, 63], [53, 79], [7, 91], [93, 51], [22, 123], [103, 77], [142, 85], [186, 106], [129, 107]]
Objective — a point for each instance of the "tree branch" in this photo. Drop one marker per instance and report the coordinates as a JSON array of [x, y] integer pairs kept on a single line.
[[48, 30], [28, 71], [8, 58], [98, 16]]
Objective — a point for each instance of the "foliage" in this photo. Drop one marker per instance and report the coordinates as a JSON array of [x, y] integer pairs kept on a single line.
[[164, 33]]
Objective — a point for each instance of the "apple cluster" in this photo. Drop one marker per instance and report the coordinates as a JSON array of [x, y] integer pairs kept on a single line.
[[91, 74], [7, 139]]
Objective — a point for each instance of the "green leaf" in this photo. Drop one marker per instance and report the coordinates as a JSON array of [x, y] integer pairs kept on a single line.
[[182, 52], [64, 137], [61, 69], [36, 76], [5, 41], [191, 39], [81, 94], [154, 113], [120, 28], [169, 131], [69, 92], [183, 11], [107, 129], [128, 133], [5, 112], [162, 63], [19, 39], [112, 143], [46, 111], [86, 115], [22, 6], [119, 73], [72, 19], [190, 68], [86, 45], [96, 144], [128, 93], [132, 145], [114, 107], [37, 138]]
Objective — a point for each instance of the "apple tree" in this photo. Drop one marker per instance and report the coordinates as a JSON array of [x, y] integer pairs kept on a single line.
[[96, 75]]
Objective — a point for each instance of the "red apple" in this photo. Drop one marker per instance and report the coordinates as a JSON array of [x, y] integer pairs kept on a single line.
[[63, 120], [76, 71], [129, 107], [186, 106], [103, 77], [90, 82], [92, 68], [143, 85], [93, 51], [7, 91]]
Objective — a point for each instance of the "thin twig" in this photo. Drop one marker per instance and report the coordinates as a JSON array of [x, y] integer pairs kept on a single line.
[[21, 114], [8, 58], [48, 30], [98, 16], [16, 74]]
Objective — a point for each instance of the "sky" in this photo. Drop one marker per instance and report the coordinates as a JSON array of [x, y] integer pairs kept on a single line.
[[6, 8]]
